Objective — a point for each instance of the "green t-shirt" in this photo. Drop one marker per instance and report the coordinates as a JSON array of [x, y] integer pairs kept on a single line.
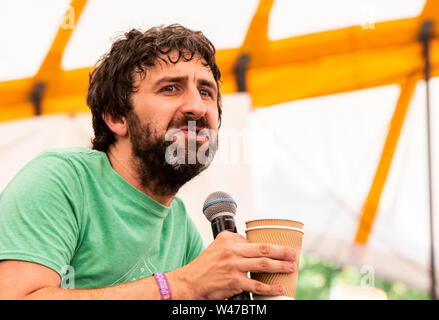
[[70, 211]]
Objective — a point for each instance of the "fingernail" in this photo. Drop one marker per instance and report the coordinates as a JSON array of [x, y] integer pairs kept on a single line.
[[293, 254], [292, 267], [280, 289]]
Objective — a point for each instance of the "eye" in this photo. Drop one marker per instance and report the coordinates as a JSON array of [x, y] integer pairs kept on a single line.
[[205, 93], [168, 88]]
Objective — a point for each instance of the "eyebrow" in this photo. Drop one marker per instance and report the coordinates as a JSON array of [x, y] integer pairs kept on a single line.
[[177, 79]]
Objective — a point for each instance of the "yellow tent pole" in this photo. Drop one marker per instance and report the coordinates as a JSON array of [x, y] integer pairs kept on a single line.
[[370, 206], [48, 78], [51, 66], [431, 12], [256, 42]]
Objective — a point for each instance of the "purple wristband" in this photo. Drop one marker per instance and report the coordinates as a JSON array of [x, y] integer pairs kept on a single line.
[[165, 290]]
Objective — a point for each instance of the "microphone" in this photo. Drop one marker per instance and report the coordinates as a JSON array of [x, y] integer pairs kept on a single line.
[[220, 208]]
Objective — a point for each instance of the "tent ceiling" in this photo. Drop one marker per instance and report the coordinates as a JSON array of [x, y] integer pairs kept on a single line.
[[116, 17], [294, 68], [38, 22], [317, 15], [27, 29]]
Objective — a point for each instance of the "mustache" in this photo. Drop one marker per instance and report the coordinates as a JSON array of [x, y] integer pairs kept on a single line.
[[182, 122]]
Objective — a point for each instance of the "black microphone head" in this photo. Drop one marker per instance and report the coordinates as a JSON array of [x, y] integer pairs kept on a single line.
[[218, 204]]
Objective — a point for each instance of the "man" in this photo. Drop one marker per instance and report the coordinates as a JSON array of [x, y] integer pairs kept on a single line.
[[96, 224]]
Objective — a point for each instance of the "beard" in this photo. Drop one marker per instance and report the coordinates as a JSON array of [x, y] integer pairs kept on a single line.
[[151, 155]]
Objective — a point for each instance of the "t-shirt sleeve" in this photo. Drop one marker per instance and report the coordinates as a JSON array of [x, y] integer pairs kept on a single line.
[[195, 243], [39, 213]]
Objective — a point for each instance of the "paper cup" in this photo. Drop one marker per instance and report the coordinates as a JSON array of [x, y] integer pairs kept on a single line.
[[282, 232]]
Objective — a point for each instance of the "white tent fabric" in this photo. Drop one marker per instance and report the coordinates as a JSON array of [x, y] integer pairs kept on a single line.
[[22, 140], [317, 15]]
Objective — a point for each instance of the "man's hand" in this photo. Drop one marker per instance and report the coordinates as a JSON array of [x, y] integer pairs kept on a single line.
[[221, 270]]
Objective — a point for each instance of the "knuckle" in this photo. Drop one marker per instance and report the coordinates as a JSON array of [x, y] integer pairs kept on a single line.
[[229, 237], [264, 249], [234, 281], [264, 263], [236, 291], [287, 253], [259, 288], [228, 251], [231, 265], [229, 283], [223, 235]]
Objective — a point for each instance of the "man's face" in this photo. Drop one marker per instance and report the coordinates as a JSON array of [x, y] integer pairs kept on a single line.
[[174, 105]]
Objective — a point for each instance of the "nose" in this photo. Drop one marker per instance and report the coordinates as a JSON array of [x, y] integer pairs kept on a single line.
[[193, 105]]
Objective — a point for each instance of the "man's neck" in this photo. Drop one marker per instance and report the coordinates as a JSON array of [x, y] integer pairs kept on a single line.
[[121, 159]]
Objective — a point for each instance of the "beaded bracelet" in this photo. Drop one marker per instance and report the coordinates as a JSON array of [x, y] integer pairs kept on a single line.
[[165, 290]]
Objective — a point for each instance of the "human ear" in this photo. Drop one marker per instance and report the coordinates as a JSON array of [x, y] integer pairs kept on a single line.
[[116, 124]]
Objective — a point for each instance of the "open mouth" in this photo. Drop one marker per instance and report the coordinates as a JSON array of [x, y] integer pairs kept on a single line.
[[197, 133]]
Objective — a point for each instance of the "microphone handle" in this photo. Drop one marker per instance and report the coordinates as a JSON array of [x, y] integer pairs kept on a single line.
[[228, 223], [223, 223]]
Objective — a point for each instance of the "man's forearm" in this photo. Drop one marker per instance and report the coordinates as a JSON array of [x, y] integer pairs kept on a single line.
[[143, 289]]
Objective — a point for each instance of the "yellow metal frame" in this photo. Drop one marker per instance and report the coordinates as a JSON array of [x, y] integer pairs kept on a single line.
[[370, 206], [299, 67]]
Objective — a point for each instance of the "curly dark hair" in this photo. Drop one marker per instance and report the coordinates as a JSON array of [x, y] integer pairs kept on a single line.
[[111, 83]]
